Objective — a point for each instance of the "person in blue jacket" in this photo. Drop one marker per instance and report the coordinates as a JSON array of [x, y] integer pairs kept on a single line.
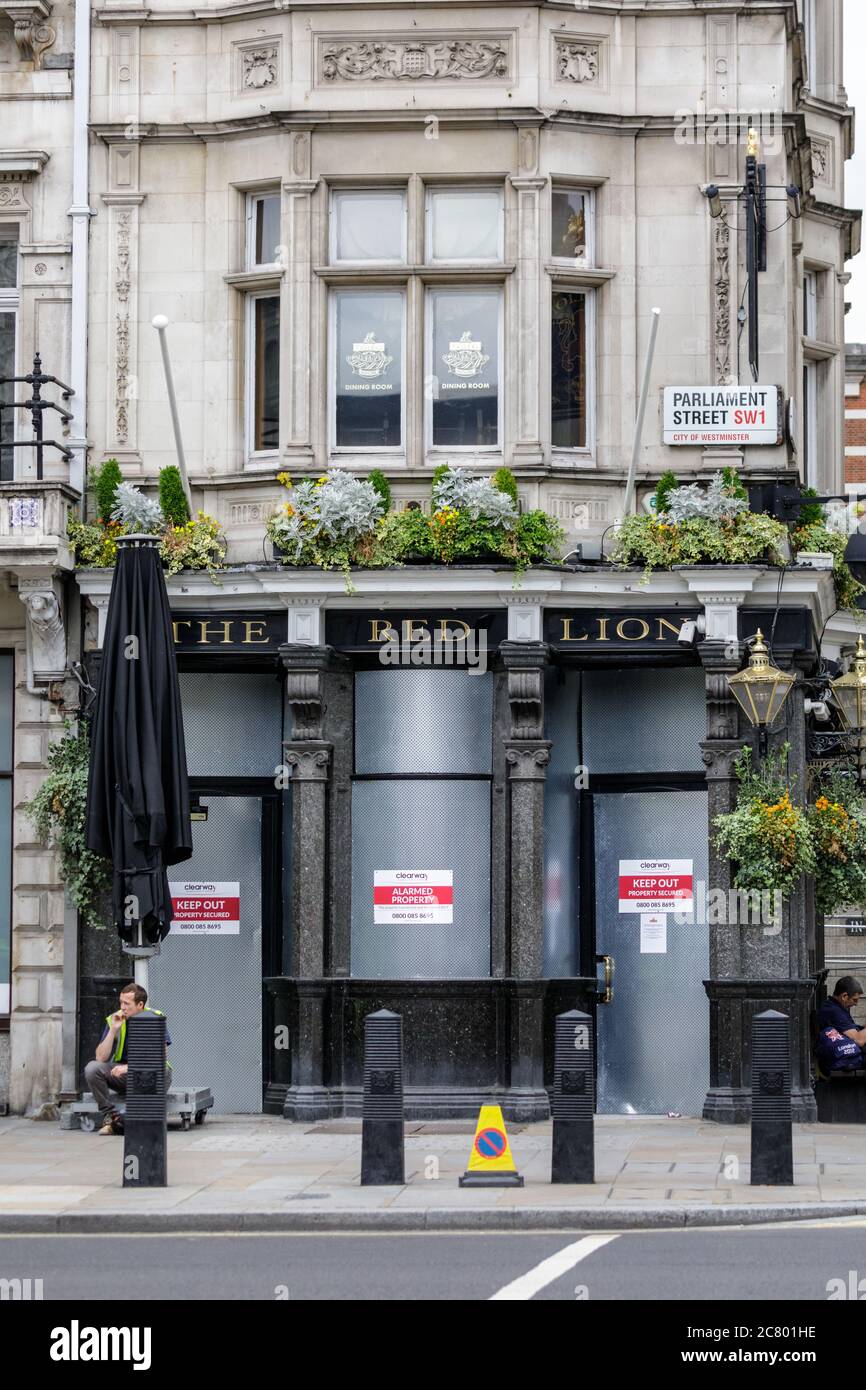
[[835, 1012]]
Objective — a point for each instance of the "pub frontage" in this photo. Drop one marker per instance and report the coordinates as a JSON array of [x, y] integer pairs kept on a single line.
[[423, 796]]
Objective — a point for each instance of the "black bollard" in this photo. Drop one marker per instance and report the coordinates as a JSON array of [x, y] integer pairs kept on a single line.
[[382, 1129], [573, 1153], [772, 1148], [144, 1138]]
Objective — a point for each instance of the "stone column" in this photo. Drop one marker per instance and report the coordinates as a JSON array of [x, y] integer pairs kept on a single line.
[[308, 755], [301, 350], [527, 316], [754, 965], [527, 754]]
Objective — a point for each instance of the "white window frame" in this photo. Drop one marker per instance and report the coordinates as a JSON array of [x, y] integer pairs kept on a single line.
[[810, 304], [252, 452], [336, 450], [252, 216], [439, 451], [811, 399], [581, 262], [336, 194], [10, 303], [432, 191], [588, 449], [810, 31]]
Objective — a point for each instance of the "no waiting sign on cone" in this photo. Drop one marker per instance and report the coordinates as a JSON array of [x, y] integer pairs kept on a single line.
[[490, 1162]]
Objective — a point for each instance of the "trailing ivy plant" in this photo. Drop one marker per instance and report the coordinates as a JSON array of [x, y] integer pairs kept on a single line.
[[817, 537], [59, 811]]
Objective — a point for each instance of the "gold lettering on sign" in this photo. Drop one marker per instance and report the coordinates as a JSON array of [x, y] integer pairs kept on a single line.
[[446, 635], [249, 638], [411, 633], [567, 634], [205, 641], [672, 627], [624, 635], [177, 624], [602, 629], [387, 633]]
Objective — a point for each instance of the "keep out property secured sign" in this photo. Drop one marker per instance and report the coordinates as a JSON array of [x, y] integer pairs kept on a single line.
[[206, 909], [413, 896], [656, 885]]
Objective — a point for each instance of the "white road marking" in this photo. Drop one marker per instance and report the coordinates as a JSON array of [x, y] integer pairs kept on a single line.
[[531, 1283]]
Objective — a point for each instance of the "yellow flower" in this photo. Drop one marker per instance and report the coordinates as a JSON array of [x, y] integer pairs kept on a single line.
[[290, 511], [284, 479]]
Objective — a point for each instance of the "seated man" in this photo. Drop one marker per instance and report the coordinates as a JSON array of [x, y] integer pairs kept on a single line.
[[108, 1071], [835, 1012]]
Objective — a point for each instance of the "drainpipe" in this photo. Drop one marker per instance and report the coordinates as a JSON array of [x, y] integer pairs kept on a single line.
[[81, 213]]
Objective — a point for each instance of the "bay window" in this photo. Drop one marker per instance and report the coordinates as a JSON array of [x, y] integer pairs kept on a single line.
[[571, 225], [368, 225], [263, 247], [464, 224]]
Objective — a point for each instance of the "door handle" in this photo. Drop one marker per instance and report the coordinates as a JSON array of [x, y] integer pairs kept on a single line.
[[609, 967]]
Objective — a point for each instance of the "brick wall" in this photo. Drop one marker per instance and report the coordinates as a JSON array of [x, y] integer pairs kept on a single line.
[[855, 413]]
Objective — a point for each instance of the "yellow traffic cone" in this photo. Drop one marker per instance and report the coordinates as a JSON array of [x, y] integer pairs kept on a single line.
[[490, 1163]]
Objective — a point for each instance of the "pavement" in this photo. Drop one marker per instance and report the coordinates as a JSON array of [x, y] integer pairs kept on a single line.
[[247, 1173]]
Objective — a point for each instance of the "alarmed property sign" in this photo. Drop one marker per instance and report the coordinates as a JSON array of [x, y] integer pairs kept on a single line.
[[722, 415], [656, 885], [413, 896], [206, 909]]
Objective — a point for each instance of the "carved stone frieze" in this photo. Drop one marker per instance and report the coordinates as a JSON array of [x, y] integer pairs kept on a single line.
[[576, 61], [722, 299], [414, 60], [259, 66]]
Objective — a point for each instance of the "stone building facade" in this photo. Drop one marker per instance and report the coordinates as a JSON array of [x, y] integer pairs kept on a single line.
[[476, 208]]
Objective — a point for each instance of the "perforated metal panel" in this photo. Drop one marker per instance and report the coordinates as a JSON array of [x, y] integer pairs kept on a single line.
[[653, 1040], [422, 825], [644, 720], [210, 987], [423, 720], [232, 723]]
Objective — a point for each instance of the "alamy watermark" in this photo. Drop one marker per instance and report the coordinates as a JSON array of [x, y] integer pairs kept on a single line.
[[450, 645], [711, 125]]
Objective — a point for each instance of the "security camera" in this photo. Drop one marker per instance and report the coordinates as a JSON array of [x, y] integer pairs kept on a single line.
[[819, 708], [691, 629]]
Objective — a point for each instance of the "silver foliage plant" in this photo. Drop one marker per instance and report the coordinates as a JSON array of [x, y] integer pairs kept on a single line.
[[135, 512], [342, 509], [476, 496], [692, 502]]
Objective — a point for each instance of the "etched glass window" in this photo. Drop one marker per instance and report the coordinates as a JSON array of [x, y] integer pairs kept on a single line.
[[568, 366], [368, 369], [465, 368]]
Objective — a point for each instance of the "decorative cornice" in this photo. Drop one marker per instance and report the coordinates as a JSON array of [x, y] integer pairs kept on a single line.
[[21, 165], [32, 34]]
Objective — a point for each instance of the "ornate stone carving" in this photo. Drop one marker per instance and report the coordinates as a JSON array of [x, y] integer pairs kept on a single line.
[[11, 196], [32, 34], [722, 299], [822, 160], [527, 763], [121, 328], [260, 66], [46, 636], [525, 663], [576, 62], [414, 60], [304, 695], [310, 764]]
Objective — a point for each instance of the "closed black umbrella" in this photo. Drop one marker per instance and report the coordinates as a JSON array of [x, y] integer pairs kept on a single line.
[[138, 795]]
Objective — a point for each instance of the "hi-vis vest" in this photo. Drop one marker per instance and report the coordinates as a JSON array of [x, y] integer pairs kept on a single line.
[[121, 1037]]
